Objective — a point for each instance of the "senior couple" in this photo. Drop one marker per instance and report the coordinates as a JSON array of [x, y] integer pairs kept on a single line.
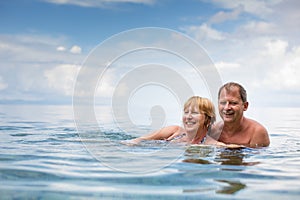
[[235, 130]]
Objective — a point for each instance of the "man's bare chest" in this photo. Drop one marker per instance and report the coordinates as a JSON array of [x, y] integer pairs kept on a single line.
[[236, 138]]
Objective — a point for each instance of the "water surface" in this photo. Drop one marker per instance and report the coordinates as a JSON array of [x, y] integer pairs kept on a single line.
[[43, 157]]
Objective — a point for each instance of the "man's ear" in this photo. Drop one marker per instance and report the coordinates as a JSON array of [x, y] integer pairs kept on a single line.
[[246, 104]]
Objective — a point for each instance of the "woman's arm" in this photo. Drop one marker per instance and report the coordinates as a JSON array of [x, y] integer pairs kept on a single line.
[[161, 134]]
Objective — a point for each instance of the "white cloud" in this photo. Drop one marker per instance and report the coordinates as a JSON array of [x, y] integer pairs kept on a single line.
[[62, 78], [261, 51], [204, 32], [26, 59], [75, 49], [98, 3], [258, 28], [263, 62], [276, 48], [285, 64], [268, 16], [31, 48], [286, 15], [226, 65], [257, 7], [286, 78], [225, 16], [106, 85], [3, 85], [60, 48]]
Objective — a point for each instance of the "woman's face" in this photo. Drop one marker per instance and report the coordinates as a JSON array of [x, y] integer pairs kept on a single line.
[[193, 119]]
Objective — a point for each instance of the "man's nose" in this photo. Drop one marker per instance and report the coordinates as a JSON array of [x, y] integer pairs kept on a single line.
[[227, 105]]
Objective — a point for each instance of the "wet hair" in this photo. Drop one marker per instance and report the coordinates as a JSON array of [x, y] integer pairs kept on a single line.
[[205, 106], [229, 86]]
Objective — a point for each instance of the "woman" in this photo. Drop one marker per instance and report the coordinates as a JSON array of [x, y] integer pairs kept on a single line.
[[198, 117]]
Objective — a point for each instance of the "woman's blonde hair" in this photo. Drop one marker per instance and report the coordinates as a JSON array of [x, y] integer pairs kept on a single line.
[[205, 106]]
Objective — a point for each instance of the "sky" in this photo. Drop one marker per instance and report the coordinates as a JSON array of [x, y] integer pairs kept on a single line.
[[44, 43]]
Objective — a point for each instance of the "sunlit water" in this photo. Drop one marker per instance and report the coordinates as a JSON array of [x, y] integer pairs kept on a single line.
[[43, 157]]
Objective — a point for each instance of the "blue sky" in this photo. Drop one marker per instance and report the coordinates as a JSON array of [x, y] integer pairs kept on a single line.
[[44, 42]]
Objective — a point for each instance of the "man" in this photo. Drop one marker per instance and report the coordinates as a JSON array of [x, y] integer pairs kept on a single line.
[[235, 128]]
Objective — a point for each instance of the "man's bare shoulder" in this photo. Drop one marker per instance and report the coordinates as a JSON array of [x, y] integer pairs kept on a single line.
[[260, 136], [255, 126]]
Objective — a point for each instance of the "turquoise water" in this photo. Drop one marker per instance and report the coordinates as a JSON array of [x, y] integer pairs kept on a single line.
[[43, 157]]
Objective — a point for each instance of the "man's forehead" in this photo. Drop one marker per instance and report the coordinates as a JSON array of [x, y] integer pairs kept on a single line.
[[231, 89], [233, 93]]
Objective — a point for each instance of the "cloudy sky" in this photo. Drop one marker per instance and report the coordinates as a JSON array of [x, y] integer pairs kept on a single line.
[[43, 43]]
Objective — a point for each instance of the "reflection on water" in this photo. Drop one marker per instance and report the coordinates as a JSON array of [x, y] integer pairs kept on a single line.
[[231, 188], [199, 154], [234, 157], [214, 156], [203, 154], [227, 187]]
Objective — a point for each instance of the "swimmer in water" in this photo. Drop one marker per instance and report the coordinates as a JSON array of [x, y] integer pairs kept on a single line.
[[197, 119], [235, 127]]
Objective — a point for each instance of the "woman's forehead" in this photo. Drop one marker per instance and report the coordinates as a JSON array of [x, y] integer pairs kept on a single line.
[[191, 107]]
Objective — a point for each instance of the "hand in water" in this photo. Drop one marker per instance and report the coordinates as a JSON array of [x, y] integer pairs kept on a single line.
[[132, 142], [231, 146]]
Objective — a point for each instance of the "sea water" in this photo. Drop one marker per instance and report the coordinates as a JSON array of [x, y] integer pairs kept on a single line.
[[42, 156]]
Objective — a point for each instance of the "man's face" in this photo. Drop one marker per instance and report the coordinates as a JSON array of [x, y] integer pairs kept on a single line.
[[231, 106]]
